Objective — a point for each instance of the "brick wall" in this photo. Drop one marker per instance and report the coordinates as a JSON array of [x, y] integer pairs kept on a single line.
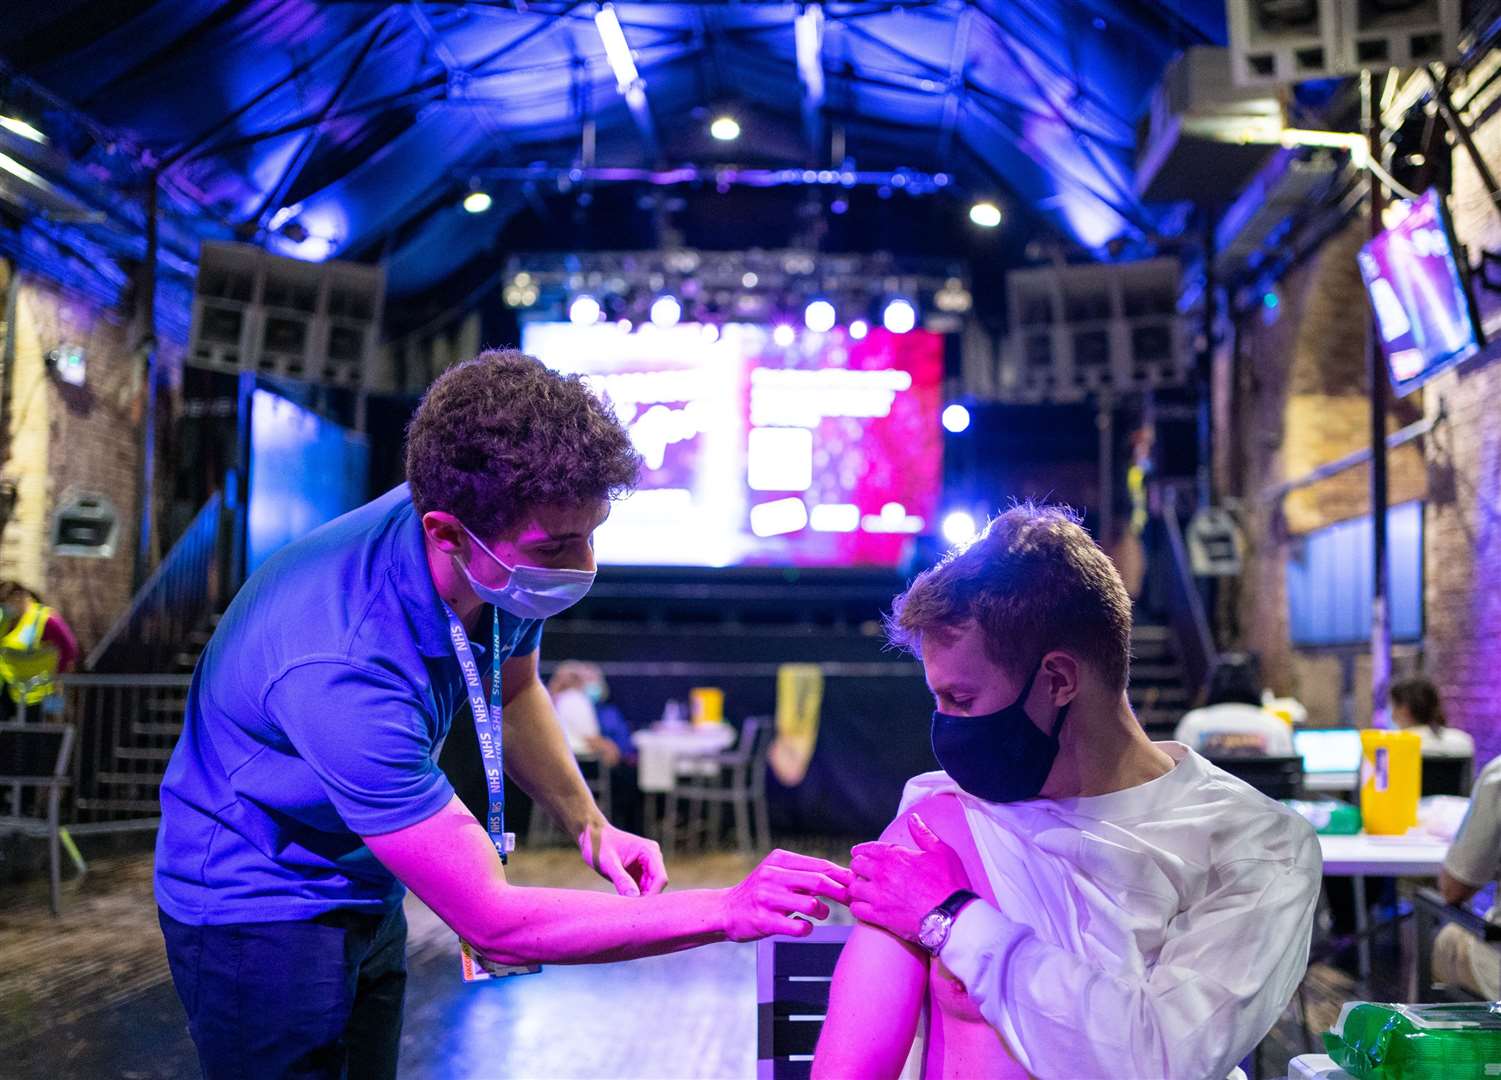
[[1299, 401], [1463, 520], [66, 439]]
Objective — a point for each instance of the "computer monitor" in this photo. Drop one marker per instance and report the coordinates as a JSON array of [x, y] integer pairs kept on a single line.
[[1328, 750]]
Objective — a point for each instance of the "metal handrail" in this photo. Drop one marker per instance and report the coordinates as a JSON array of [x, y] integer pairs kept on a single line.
[[1185, 606], [174, 600]]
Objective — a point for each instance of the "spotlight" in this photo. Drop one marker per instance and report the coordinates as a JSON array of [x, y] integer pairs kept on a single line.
[[783, 335], [477, 202], [20, 127], [986, 214], [749, 279], [956, 418], [617, 50], [666, 311], [900, 316], [584, 311], [958, 527], [819, 316], [725, 128], [858, 329]]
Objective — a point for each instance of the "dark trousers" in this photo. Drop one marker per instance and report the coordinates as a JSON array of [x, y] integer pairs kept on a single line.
[[313, 999]]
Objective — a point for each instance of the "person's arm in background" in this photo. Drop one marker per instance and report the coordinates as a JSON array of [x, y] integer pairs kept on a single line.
[[450, 863], [613, 726], [1475, 855], [875, 1000], [59, 635], [538, 758]]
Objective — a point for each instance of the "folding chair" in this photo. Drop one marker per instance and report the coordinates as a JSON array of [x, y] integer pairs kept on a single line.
[[37, 757]]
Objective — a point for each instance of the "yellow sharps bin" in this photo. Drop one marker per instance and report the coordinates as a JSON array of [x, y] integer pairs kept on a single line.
[[1391, 775]]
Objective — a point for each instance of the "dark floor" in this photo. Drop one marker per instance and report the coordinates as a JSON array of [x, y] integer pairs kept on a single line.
[[88, 997]]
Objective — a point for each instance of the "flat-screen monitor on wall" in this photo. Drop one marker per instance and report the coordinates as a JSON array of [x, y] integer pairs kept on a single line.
[[304, 470], [762, 446], [1425, 313]]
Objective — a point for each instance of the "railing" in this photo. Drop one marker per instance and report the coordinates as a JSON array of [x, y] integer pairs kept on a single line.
[[1184, 604], [127, 726], [175, 600]]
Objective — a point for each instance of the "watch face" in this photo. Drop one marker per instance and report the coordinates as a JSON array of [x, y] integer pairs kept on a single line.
[[933, 930]]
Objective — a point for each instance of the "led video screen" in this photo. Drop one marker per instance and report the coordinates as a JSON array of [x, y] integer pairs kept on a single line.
[[304, 470], [824, 451], [1425, 315]]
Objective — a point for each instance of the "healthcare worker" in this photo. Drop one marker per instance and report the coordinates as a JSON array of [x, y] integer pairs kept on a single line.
[[1107, 905], [304, 792]]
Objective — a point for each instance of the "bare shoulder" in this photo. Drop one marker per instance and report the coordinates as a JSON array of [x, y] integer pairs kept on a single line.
[[942, 812]]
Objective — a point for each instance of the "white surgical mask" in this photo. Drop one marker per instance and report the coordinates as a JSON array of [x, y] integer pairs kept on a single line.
[[530, 592]]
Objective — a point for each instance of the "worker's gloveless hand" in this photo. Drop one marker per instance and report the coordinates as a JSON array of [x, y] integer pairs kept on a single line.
[[895, 886], [633, 864], [784, 885]]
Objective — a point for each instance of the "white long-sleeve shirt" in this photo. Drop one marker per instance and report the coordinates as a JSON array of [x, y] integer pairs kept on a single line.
[[1153, 932]]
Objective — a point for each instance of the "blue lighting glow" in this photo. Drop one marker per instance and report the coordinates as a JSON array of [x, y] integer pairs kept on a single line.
[[956, 418], [958, 527]]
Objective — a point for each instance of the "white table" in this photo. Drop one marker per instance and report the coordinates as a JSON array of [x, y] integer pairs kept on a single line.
[[1315, 1067], [660, 747], [1416, 854]]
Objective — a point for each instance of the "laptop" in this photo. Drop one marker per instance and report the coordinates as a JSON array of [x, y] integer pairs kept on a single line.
[[1331, 758]]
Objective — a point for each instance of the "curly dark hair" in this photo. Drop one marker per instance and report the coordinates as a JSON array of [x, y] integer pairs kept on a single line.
[[1032, 581], [501, 434]]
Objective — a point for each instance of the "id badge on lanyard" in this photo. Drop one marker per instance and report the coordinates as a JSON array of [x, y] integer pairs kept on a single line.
[[487, 728]]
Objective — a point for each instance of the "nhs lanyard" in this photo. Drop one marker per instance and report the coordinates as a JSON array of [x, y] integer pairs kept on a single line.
[[487, 726]]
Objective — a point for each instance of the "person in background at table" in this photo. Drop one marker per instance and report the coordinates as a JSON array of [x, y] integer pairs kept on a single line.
[[1416, 707], [594, 726], [36, 645], [1233, 722], [592, 723], [1474, 860]]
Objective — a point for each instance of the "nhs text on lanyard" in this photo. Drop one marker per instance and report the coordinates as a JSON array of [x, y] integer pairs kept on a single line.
[[487, 727]]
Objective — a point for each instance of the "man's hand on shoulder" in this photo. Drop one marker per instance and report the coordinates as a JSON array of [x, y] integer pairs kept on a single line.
[[633, 864], [895, 886]]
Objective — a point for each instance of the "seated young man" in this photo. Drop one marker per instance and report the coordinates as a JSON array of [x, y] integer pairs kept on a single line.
[[1067, 898]]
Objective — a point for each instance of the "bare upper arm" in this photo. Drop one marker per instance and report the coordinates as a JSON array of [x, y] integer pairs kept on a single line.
[[945, 816], [875, 1001], [518, 673]]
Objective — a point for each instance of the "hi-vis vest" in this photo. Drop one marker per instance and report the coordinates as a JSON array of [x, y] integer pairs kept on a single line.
[[28, 665]]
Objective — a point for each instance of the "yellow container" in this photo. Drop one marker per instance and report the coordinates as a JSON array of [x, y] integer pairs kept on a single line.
[[706, 705], [1390, 780]]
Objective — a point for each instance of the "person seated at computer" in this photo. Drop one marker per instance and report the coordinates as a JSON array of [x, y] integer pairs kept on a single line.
[[1473, 860], [1416, 707], [1233, 722]]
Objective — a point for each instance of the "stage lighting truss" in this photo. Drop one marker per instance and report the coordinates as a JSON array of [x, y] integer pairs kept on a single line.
[[765, 287]]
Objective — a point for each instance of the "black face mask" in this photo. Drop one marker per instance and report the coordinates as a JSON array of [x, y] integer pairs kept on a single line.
[[1001, 756]]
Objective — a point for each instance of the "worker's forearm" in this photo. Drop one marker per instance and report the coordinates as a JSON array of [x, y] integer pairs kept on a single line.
[[569, 926], [538, 758]]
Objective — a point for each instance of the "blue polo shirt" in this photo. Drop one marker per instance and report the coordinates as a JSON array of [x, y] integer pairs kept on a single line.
[[315, 717]]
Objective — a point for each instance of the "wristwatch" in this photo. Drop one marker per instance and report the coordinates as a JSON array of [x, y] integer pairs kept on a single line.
[[933, 931]]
